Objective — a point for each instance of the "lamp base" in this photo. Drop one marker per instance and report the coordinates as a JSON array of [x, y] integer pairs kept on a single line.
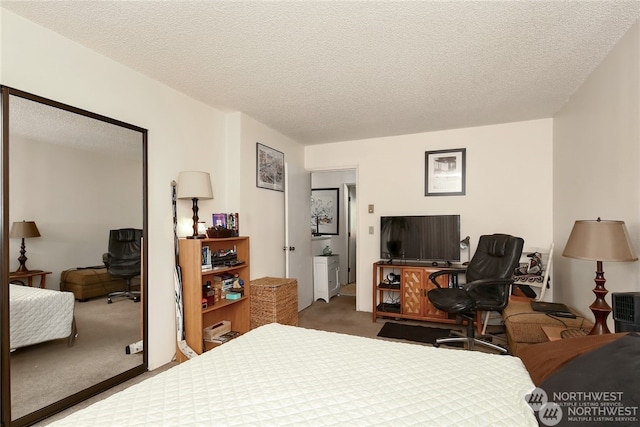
[[22, 269], [600, 308], [199, 236]]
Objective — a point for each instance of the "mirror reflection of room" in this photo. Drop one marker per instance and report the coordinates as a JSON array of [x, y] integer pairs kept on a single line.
[[76, 205]]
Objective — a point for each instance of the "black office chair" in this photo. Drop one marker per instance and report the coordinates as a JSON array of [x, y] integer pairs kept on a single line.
[[489, 276], [123, 260]]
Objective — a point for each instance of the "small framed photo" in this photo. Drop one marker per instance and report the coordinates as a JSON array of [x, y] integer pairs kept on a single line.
[[325, 208], [269, 168], [444, 173]]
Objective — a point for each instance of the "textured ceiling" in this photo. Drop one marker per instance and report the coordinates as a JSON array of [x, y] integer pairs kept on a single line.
[[49, 125], [326, 71]]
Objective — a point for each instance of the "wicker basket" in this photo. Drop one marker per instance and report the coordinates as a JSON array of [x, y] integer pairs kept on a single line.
[[274, 300]]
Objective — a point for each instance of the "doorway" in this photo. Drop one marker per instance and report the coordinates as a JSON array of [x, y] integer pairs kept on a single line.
[[344, 242]]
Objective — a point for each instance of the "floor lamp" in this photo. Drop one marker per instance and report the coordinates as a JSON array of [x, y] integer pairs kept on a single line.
[[599, 241]]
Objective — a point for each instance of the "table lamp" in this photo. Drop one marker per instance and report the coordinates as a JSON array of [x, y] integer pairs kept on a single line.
[[599, 241], [23, 230], [466, 245], [194, 185]]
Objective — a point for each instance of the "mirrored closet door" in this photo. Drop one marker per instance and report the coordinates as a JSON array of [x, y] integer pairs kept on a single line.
[[69, 179]]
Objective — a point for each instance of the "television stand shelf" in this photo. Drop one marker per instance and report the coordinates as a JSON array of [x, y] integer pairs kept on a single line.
[[406, 298]]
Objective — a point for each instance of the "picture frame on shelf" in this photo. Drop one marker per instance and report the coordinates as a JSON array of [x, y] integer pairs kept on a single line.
[[325, 211], [269, 168], [445, 172]]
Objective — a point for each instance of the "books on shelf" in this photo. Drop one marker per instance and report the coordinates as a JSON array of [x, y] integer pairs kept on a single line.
[[206, 258], [228, 336]]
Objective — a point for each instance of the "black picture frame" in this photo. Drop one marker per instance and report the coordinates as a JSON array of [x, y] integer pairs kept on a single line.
[[269, 168], [325, 211], [445, 172]]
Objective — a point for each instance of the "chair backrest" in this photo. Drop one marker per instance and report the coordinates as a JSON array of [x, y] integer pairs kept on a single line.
[[124, 252], [496, 257]]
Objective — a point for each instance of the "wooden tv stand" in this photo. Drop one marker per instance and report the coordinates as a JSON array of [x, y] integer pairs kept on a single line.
[[408, 298]]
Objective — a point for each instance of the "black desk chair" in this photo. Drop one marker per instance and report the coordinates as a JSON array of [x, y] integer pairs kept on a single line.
[[489, 276], [123, 260]]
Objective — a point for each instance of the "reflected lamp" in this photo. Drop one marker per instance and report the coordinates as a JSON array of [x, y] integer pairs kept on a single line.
[[23, 230]]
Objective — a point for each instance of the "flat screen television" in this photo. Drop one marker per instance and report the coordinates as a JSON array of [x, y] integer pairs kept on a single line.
[[420, 238]]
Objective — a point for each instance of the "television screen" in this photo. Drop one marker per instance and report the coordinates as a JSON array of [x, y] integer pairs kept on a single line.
[[420, 238]]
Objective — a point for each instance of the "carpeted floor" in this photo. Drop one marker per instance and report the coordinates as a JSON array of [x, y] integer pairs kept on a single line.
[[348, 290], [44, 373]]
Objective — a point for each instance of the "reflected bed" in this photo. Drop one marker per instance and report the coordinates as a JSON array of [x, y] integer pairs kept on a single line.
[[39, 315], [285, 375]]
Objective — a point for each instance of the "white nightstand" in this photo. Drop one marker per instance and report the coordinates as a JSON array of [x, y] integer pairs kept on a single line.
[[325, 277]]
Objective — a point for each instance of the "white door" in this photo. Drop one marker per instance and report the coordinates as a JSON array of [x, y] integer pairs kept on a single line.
[[298, 259]]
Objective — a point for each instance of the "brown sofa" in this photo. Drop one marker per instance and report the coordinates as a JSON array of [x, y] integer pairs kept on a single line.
[[523, 325], [86, 283]]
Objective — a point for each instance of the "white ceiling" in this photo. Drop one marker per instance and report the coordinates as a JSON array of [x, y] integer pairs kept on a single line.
[[323, 71]]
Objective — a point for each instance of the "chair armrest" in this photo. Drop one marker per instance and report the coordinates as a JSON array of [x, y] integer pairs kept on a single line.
[[449, 272]]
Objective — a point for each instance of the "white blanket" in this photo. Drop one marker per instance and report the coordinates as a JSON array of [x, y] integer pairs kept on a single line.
[[39, 315], [281, 375]]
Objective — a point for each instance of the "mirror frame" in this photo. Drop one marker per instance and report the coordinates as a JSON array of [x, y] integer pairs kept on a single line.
[[5, 387]]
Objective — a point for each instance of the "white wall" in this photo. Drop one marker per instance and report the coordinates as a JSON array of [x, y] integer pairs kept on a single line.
[[184, 134], [596, 157], [262, 210], [508, 184]]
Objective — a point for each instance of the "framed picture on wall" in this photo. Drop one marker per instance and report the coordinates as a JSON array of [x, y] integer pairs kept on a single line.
[[325, 207], [269, 168], [445, 172]]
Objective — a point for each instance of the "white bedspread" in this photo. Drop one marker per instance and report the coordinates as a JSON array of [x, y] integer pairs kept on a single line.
[[39, 315], [281, 375]]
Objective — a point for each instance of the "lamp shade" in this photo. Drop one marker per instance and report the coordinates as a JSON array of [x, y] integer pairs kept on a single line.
[[194, 185], [599, 240], [464, 243], [24, 229]]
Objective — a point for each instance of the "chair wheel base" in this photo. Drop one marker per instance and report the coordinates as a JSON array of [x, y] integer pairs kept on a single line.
[[128, 295]]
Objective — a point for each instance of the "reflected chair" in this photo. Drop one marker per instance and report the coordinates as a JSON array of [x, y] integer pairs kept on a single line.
[[489, 277], [123, 260]]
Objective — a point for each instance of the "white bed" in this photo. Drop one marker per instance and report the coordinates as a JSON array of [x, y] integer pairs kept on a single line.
[[39, 315], [281, 375]]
